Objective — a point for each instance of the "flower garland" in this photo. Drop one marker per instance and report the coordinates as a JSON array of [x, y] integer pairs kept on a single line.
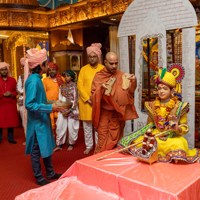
[[161, 116]]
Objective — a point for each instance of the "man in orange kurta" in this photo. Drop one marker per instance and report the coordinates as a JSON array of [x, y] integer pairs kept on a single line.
[[112, 102], [51, 86]]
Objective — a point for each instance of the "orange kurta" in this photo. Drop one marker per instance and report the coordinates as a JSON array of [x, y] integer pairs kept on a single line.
[[51, 88], [110, 112]]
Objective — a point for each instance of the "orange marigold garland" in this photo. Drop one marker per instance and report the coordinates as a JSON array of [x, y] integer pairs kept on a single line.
[[161, 117]]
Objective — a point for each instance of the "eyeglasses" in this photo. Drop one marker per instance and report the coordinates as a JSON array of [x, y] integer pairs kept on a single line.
[[90, 57], [115, 63]]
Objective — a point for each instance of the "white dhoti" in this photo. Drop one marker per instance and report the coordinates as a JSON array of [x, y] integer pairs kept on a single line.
[[23, 115], [63, 124], [88, 134]]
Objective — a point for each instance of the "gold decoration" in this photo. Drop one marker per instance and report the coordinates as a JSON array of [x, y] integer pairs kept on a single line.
[[3, 19], [17, 39], [22, 2], [153, 158], [84, 10]]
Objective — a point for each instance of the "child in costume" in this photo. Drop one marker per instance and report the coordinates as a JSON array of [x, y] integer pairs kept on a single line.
[[167, 121], [69, 118]]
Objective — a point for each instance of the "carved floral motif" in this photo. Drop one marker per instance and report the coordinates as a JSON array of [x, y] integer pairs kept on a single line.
[[20, 19], [3, 18], [65, 17]]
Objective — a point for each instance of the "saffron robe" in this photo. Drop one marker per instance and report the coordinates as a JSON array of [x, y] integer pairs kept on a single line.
[[8, 105], [38, 122], [84, 85], [110, 112]]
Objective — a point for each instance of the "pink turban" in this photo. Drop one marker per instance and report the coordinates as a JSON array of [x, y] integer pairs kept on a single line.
[[33, 58], [4, 64], [36, 57], [96, 48]]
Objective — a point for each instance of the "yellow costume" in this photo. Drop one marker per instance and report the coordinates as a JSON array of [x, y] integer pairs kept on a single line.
[[168, 117], [84, 85]]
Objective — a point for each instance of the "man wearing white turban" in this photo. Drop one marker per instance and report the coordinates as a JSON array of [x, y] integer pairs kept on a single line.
[[84, 84], [39, 135], [8, 103]]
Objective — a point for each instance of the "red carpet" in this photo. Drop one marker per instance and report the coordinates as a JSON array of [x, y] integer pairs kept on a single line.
[[16, 174]]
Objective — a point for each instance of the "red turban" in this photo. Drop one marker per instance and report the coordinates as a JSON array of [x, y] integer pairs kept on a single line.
[[53, 66], [59, 79]]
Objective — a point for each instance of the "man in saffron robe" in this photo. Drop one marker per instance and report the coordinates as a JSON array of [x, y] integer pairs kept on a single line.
[[8, 103], [112, 102], [51, 86], [39, 137], [84, 84]]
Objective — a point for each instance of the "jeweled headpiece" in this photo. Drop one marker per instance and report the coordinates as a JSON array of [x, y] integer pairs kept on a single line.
[[171, 77]]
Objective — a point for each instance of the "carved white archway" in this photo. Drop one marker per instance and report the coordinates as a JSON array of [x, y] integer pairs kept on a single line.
[[154, 17]]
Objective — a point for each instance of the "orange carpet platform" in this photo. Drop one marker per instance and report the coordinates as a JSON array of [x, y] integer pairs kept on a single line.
[[122, 177]]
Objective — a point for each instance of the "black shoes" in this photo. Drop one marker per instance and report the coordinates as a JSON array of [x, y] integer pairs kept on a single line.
[[12, 141], [55, 176], [43, 182]]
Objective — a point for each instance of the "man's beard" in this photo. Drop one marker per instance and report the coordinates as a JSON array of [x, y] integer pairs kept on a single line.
[[52, 75], [4, 75]]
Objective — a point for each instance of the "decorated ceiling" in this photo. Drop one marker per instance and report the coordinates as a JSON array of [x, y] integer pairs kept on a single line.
[[55, 3]]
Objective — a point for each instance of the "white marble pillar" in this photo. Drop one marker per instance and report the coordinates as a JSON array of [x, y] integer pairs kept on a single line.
[[188, 83], [124, 66]]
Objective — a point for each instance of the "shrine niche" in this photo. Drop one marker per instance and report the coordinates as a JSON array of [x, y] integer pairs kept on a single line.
[[16, 44], [169, 25], [67, 56]]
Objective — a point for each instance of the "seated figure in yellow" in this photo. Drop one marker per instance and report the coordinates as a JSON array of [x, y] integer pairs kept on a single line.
[[167, 123]]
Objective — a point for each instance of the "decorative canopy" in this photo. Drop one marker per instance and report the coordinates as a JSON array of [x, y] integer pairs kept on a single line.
[[21, 2]]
